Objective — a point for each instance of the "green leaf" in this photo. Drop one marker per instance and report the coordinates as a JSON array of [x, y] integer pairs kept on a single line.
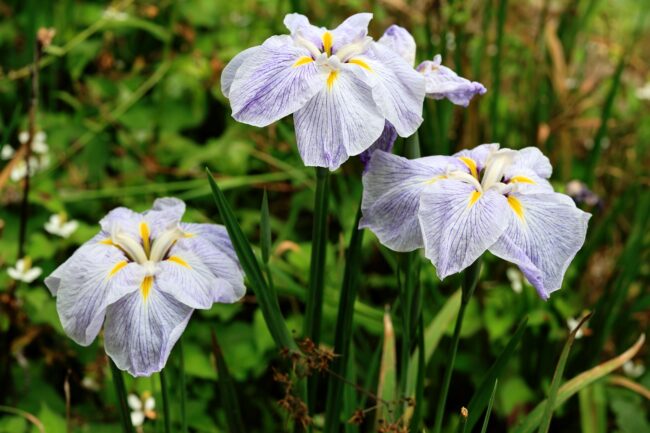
[[557, 378], [343, 333], [265, 295], [387, 384], [227, 390], [481, 397], [486, 420], [566, 391]]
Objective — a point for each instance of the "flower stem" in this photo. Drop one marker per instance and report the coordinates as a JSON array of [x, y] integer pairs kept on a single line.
[[317, 271], [165, 400], [183, 385], [120, 391], [314, 309], [469, 280]]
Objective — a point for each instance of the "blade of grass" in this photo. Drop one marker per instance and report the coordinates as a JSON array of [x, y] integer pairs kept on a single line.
[[557, 378], [343, 332], [486, 420], [481, 397], [496, 71], [227, 390], [416, 421], [469, 281], [183, 386], [265, 294], [314, 311], [566, 391], [120, 391], [593, 409], [386, 386], [314, 307], [165, 399], [265, 237]]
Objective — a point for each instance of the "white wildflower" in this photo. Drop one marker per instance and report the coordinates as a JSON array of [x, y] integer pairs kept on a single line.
[[516, 280], [24, 271], [633, 370], [571, 323], [58, 225], [141, 408]]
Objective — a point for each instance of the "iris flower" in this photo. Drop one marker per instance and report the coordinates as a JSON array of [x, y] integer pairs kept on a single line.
[[341, 87], [457, 207], [142, 276]]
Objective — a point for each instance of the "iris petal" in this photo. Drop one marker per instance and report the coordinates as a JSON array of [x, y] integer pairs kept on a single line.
[[338, 122], [95, 276], [458, 226], [139, 334], [392, 186], [268, 86], [544, 239]]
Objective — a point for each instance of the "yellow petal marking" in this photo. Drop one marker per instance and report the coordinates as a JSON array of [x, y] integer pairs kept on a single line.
[[146, 285], [473, 198], [188, 235], [361, 63], [521, 179], [117, 268], [107, 241], [180, 261], [471, 164], [331, 78], [302, 61], [516, 206], [144, 234], [436, 179], [327, 43]]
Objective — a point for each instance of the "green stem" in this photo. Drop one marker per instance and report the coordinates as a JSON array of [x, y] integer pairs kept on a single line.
[[183, 386], [317, 271], [120, 391], [314, 310], [470, 278], [165, 400]]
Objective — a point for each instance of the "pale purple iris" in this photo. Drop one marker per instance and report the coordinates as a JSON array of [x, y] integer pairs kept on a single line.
[[457, 207], [142, 277], [344, 90], [440, 82]]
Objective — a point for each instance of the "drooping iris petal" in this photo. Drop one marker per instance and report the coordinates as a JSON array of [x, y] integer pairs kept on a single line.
[[272, 83], [397, 89], [459, 224], [442, 82], [353, 29], [340, 121], [230, 71], [95, 276], [140, 332], [384, 142], [392, 186], [212, 245], [543, 234], [166, 213], [400, 41]]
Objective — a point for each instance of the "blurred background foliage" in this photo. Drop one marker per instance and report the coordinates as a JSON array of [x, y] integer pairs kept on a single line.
[[132, 108]]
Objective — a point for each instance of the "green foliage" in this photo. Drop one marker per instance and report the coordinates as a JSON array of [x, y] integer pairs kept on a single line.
[[132, 107]]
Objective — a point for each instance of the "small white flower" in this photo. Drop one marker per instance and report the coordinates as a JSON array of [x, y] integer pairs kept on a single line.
[[115, 15], [516, 281], [633, 370], [7, 152], [57, 225], [643, 92], [571, 323], [23, 136], [19, 172], [141, 408], [23, 271]]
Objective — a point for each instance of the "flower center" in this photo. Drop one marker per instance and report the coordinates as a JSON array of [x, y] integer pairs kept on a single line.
[[144, 251]]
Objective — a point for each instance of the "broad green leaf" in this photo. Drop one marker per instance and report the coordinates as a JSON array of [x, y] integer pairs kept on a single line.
[[227, 390]]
